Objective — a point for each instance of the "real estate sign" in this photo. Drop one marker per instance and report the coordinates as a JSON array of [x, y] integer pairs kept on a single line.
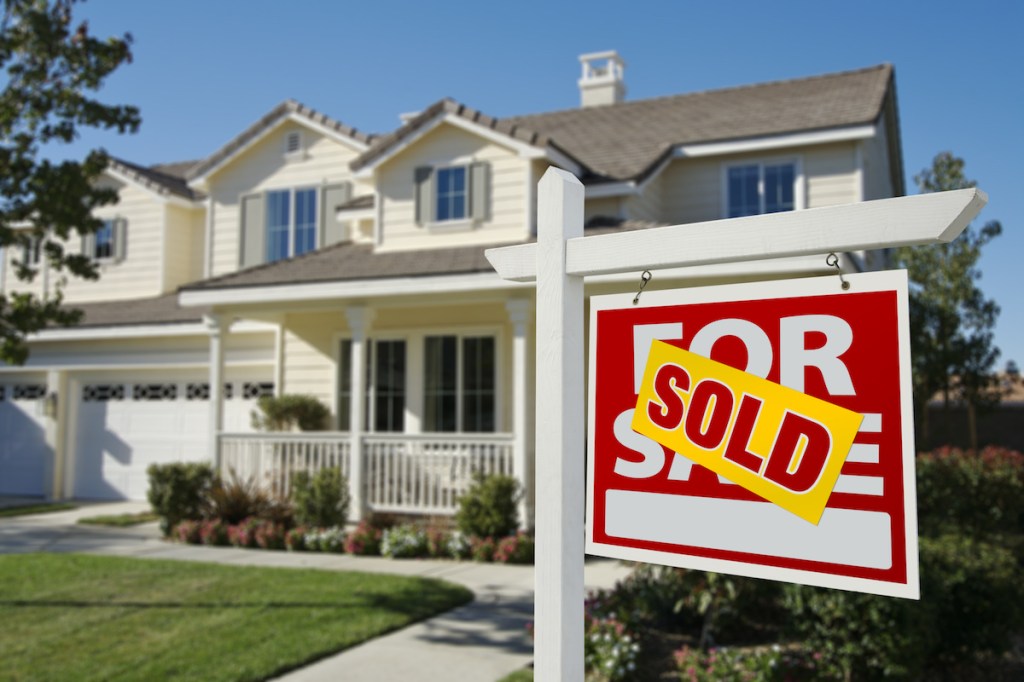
[[757, 429]]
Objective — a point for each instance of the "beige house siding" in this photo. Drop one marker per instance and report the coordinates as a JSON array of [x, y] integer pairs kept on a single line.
[[309, 354], [264, 167], [831, 175], [692, 190], [447, 145], [875, 154], [607, 207], [648, 204], [137, 276], [183, 246]]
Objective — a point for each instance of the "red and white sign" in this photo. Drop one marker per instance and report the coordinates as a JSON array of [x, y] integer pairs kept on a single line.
[[850, 348]]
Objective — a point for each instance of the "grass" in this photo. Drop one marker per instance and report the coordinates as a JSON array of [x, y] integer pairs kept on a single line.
[[120, 520], [75, 617], [40, 508], [524, 675]]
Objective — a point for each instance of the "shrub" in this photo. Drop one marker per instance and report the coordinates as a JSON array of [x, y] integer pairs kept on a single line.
[[244, 533], [327, 540], [364, 540], [235, 500], [177, 490], [285, 412], [322, 499], [515, 549], [214, 532], [404, 542], [489, 507], [754, 664], [295, 539], [188, 531], [980, 494], [269, 535], [458, 546], [482, 549], [438, 539], [610, 650]]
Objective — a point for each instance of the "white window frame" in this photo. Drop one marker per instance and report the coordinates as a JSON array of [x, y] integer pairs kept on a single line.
[[292, 213], [451, 223], [110, 223], [799, 183]]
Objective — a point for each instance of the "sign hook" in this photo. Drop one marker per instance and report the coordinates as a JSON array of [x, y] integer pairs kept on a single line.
[[832, 260], [644, 279]]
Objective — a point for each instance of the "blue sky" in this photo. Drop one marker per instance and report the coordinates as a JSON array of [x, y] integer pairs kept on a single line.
[[205, 70]]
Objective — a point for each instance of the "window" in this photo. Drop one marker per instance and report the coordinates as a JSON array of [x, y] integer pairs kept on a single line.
[[758, 188], [385, 386], [451, 194], [107, 243], [459, 384], [31, 252], [290, 223]]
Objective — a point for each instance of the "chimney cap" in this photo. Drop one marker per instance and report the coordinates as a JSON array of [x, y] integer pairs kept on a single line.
[[607, 54]]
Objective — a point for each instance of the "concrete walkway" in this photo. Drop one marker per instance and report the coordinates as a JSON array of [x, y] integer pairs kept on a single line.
[[484, 640]]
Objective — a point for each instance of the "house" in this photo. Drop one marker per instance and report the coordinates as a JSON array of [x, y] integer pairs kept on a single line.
[[306, 256]]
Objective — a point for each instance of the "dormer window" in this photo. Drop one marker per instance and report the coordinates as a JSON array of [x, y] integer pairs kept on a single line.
[[293, 148], [452, 195]]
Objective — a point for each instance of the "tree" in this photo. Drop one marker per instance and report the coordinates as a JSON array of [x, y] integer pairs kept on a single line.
[[52, 67], [951, 321]]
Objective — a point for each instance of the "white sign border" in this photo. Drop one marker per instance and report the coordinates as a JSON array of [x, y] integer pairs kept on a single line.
[[891, 280]]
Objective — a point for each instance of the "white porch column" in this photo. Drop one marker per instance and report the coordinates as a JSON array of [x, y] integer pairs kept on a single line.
[[217, 330], [55, 407], [519, 316], [359, 319]]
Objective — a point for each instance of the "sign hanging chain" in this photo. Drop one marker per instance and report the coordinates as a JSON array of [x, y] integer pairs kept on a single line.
[[644, 279], [832, 260]]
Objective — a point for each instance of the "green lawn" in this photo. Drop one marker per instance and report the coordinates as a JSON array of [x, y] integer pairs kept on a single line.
[[73, 617], [40, 508], [119, 520]]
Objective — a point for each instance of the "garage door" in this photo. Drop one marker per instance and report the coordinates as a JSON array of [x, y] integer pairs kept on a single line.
[[23, 450], [123, 427]]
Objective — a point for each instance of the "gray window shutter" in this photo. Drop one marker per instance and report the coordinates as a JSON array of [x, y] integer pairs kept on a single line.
[[479, 190], [424, 180], [332, 230], [254, 238], [89, 245], [120, 239]]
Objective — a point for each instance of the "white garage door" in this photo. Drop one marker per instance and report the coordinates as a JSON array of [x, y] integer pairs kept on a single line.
[[23, 450], [122, 428]]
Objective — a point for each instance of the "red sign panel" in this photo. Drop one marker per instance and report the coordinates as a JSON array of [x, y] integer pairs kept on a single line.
[[850, 348]]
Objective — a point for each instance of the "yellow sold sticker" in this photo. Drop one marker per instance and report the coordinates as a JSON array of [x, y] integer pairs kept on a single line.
[[779, 443]]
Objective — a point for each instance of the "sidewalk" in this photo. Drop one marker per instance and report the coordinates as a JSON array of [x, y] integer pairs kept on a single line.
[[483, 640]]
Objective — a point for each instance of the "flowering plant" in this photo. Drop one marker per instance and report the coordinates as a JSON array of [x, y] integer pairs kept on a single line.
[[213, 532], [244, 534], [458, 545], [187, 531], [295, 539], [405, 541], [757, 664], [364, 540], [610, 651], [515, 549], [482, 549], [326, 539]]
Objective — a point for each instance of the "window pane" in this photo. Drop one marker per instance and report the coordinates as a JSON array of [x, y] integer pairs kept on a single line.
[[439, 385], [478, 384], [278, 217], [389, 403], [104, 241], [451, 194], [778, 188], [305, 220], [743, 195]]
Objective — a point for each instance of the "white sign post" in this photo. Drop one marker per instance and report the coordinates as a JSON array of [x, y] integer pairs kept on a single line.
[[560, 260]]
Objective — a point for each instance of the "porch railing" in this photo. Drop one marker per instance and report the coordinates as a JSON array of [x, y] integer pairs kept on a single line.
[[425, 474], [402, 473], [271, 459]]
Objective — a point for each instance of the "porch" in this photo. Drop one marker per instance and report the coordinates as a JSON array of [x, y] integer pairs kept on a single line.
[[390, 473]]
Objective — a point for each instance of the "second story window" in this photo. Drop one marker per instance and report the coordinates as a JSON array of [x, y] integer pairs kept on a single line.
[[107, 243], [104, 241], [452, 194], [451, 201], [31, 252], [756, 188], [290, 223]]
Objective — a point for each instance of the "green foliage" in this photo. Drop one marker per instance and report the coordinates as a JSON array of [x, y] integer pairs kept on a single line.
[[489, 507], [406, 541], [286, 412], [515, 549], [51, 66], [978, 494], [178, 491], [754, 664], [951, 321], [320, 500], [364, 540]]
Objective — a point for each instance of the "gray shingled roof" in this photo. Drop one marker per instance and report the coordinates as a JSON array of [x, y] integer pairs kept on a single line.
[[625, 141], [166, 179], [160, 310], [256, 129], [347, 261]]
